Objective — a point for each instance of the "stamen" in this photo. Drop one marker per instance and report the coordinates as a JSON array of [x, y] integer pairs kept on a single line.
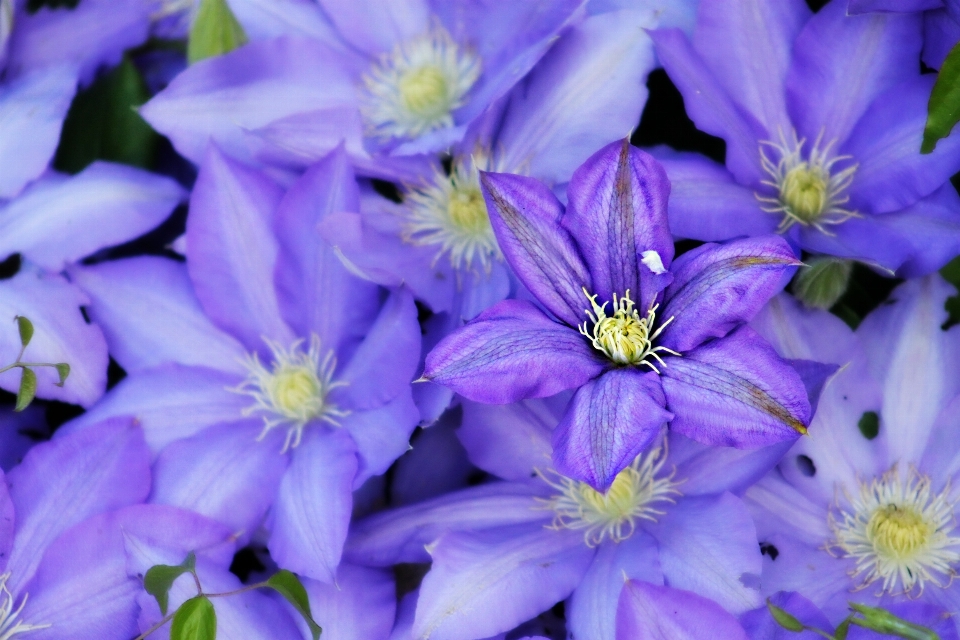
[[808, 191], [625, 337], [293, 391], [613, 514], [10, 626]]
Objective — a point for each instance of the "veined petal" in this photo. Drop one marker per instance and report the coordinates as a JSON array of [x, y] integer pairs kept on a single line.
[[525, 216], [510, 352], [735, 391], [394, 23], [717, 287], [617, 213], [649, 612], [360, 606], [608, 423]]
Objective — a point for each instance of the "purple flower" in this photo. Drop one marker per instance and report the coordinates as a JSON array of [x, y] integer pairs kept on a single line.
[[865, 511], [823, 117], [643, 340], [941, 22]]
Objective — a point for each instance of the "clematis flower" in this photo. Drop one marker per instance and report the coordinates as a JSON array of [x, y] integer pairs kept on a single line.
[[941, 23], [864, 510], [505, 551], [823, 117], [642, 339], [263, 373]]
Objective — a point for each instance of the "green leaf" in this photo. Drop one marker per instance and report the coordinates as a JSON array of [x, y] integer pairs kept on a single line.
[[951, 273], [943, 109], [784, 619], [26, 330], [289, 586], [196, 619], [215, 31], [822, 282], [159, 578], [102, 123], [63, 370], [842, 630], [869, 424], [882, 621], [28, 389]]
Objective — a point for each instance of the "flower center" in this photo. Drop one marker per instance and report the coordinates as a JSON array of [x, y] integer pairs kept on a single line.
[[810, 191], [415, 89], [293, 391], [613, 514], [450, 212], [624, 337], [898, 531], [10, 626]]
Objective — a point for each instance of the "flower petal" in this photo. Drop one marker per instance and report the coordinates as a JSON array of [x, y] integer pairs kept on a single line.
[[650, 612], [509, 441], [360, 606], [760, 624], [382, 434]]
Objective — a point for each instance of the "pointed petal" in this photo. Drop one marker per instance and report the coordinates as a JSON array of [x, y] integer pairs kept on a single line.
[[617, 213], [735, 391], [140, 302], [865, 239], [525, 216], [510, 441], [484, 584], [231, 250], [64, 481], [510, 352], [103, 205], [312, 509], [382, 435], [650, 612], [361, 605], [608, 423], [717, 287]]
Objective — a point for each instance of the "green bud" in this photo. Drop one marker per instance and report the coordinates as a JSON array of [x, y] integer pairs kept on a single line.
[[882, 621], [26, 330], [215, 31], [28, 389], [784, 619], [822, 282], [63, 370], [943, 108]]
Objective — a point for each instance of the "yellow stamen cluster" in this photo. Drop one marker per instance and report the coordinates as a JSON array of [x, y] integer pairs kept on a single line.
[[625, 337]]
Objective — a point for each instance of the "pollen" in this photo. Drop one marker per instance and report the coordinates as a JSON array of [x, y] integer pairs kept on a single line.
[[625, 337], [293, 391], [810, 188], [10, 624], [635, 495], [899, 533], [415, 89]]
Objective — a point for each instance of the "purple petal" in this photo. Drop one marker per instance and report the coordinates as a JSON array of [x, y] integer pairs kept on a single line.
[[60, 335], [510, 441], [717, 287], [707, 204], [617, 213], [64, 481], [382, 434], [841, 63], [747, 46], [855, 7], [435, 464], [140, 302], [801, 333], [932, 229], [103, 205], [650, 612], [396, 22], [760, 625], [865, 239], [231, 250], [32, 108], [7, 522], [525, 216], [312, 508], [735, 391], [511, 352], [484, 584], [710, 107], [608, 423], [360, 606], [708, 470], [263, 19], [940, 32], [709, 546]]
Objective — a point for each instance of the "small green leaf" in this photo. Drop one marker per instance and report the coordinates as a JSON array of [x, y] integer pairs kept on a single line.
[[842, 630], [882, 621], [63, 370], [289, 586], [784, 619], [196, 619], [215, 31], [158, 579], [943, 109], [822, 282], [869, 424], [26, 330], [28, 389]]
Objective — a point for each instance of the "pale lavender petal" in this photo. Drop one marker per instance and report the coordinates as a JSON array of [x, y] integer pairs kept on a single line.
[[618, 213], [382, 434], [779, 507], [312, 509], [487, 583], [524, 214], [796, 331], [707, 470], [760, 624], [866, 239], [395, 22], [841, 63], [718, 287], [931, 226], [232, 252], [510, 352], [509, 441], [735, 391], [32, 108], [360, 606], [60, 335], [263, 19], [898, 6], [140, 302], [649, 612], [103, 205], [608, 423]]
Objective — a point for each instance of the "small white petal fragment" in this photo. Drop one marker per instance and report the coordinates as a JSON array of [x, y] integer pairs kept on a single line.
[[651, 259]]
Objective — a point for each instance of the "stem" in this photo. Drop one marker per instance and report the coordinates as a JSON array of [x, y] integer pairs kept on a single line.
[[249, 587], [164, 621]]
